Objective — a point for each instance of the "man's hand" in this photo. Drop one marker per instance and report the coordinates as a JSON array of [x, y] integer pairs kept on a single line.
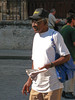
[[46, 66], [26, 86]]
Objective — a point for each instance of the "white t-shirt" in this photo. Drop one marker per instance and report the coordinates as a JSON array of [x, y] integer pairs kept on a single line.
[[52, 20], [43, 53]]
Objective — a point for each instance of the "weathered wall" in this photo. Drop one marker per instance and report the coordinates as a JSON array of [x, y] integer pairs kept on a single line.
[[17, 36]]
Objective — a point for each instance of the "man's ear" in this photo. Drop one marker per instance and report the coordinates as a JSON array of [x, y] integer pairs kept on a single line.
[[45, 22], [72, 20], [73, 43]]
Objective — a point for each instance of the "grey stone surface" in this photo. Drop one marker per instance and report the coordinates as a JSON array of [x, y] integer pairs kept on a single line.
[[16, 37], [15, 54], [12, 79]]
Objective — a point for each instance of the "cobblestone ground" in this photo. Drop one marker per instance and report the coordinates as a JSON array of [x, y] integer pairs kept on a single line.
[[12, 79]]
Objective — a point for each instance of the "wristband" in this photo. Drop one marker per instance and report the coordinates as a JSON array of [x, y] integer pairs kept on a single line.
[[51, 65]]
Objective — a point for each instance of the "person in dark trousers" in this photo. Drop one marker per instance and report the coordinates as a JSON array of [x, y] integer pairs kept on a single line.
[[68, 33], [46, 85]]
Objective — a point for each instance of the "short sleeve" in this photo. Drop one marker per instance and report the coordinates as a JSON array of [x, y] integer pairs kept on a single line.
[[54, 19], [61, 48], [73, 36], [33, 49]]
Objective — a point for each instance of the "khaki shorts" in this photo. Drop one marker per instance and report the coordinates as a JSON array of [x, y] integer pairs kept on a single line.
[[53, 95]]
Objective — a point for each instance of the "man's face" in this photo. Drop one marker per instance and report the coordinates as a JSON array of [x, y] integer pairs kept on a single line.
[[38, 25], [54, 12], [74, 23]]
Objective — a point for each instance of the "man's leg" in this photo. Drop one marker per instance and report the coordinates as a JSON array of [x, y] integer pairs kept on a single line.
[[68, 90], [34, 95], [53, 95], [69, 85]]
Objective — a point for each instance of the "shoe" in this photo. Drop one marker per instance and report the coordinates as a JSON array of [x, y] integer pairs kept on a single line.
[[68, 95], [63, 94]]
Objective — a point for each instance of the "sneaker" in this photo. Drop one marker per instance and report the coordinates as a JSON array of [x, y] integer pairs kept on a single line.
[[68, 95]]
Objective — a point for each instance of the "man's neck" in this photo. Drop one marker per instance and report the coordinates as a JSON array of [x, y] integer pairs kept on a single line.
[[70, 24], [45, 29]]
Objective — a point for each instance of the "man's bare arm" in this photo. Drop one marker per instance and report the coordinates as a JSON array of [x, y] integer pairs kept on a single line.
[[57, 62], [27, 84]]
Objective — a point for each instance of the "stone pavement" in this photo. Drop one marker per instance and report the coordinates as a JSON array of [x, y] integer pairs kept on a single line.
[[13, 75]]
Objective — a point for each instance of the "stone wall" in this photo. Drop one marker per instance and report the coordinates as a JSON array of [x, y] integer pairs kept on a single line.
[[13, 10], [16, 35]]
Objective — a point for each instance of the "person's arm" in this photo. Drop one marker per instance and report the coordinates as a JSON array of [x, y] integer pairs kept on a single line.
[[27, 85], [73, 43], [73, 36], [57, 21], [61, 50], [57, 62]]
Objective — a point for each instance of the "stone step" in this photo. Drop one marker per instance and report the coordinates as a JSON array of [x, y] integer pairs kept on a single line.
[[15, 54]]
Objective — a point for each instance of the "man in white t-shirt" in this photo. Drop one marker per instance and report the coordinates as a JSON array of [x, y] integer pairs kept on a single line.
[[52, 21], [46, 86]]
